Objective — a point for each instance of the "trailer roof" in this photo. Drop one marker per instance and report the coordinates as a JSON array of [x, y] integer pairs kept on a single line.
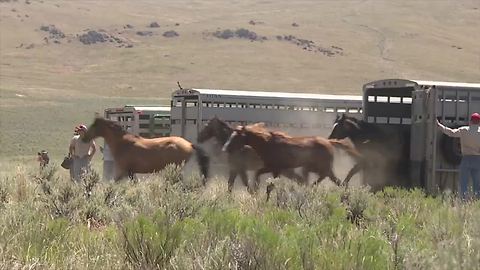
[[263, 94], [400, 82], [451, 84], [149, 108]]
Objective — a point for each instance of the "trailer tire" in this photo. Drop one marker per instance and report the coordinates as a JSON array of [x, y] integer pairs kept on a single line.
[[451, 150]]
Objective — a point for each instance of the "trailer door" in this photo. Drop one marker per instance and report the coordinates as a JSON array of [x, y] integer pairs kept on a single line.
[[185, 117]]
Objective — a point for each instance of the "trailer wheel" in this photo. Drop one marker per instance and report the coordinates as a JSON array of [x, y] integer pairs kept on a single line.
[[450, 149]]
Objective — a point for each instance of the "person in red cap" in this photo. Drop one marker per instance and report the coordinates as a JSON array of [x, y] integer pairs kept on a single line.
[[81, 152], [470, 144]]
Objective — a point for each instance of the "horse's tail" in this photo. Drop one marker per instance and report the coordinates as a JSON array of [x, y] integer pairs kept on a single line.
[[203, 160]]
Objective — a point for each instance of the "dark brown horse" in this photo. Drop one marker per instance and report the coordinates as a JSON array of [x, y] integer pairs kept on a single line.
[[134, 154], [385, 151], [240, 160], [280, 151]]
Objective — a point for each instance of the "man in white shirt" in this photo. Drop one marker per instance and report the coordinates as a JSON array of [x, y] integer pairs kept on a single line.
[[82, 153], [470, 144]]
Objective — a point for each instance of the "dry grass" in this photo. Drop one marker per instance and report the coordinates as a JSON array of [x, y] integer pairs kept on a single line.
[[50, 223]]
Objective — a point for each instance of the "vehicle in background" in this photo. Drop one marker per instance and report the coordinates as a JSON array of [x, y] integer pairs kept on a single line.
[[294, 113], [409, 108], [145, 121]]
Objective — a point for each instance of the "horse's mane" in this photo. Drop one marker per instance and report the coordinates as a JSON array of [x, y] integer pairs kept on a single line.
[[259, 130], [223, 124], [115, 127], [368, 130], [280, 134]]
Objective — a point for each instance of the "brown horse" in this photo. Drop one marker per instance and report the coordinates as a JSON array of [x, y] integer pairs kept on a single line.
[[240, 160], [134, 154], [280, 151]]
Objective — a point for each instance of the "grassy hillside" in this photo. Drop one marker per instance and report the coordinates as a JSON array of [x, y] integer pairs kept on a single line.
[[47, 87]]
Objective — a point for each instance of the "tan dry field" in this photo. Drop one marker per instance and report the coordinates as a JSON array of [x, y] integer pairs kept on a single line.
[[47, 89]]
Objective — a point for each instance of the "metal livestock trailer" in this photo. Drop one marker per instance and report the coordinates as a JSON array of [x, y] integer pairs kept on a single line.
[[294, 113], [145, 121], [408, 109]]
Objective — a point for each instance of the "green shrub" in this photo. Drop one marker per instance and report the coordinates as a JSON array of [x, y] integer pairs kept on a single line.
[[49, 222], [150, 243]]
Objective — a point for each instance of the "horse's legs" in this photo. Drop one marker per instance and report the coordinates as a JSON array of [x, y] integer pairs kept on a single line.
[[329, 172], [334, 178], [244, 177], [231, 179], [319, 179], [352, 172], [132, 176], [270, 188], [119, 174], [305, 174], [257, 176], [290, 173]]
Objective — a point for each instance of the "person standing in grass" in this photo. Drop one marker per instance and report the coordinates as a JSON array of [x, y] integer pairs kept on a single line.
[[75, 133], [108, 163], [81, 152], [43, 159], [470, 144]]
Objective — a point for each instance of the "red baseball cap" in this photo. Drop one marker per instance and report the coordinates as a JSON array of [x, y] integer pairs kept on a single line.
[[475, 118], [80, 127]]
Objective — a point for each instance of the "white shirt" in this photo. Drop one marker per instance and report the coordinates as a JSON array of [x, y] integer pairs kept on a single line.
[[80, 148], [469, 138]]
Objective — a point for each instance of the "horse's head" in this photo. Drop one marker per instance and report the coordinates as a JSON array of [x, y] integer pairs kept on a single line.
[[345, 126], [243, 135], [215, 128], [237, 140], [99, 128]]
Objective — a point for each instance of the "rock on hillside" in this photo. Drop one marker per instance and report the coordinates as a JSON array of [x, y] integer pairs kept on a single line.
[[309, 45], [241, 33], [92, 37], [154, 25], [145, 33], [54, 32], [170, 34]]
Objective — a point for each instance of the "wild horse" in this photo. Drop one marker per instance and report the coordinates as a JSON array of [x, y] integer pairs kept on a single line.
[[280, 151], [240, 160], [134, 154], [384, 151]]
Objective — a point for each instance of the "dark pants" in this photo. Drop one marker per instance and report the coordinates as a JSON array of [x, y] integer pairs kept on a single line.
[[470, 168]]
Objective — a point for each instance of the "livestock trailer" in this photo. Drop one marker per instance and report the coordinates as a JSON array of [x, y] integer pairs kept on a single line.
[[408, 110], [294, 113], [145, 121]]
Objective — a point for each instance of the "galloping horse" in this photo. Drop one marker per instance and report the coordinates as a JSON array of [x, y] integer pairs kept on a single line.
[[280, 151], [381, 149], [134, 154], [240, 160]]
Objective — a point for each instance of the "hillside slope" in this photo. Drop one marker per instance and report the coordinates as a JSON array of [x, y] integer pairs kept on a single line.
[[304, 46]]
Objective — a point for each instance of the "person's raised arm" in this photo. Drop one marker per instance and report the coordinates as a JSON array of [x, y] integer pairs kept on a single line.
[[456, 132], [71, 148], [93, 148]]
